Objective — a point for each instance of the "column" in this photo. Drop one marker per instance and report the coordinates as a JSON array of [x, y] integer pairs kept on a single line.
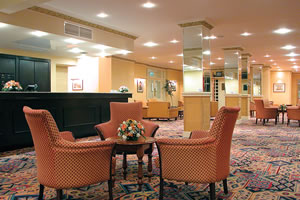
[[245, 86], [256, 71], [266, 82], [196, 57]]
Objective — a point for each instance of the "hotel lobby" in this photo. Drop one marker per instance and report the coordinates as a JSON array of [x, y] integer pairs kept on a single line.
[[149, 99]]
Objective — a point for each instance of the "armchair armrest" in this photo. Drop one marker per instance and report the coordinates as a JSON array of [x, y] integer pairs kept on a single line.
[[106, 130], [64, 144], [150, 128], [199, 134], [186, 142], [67, 135]]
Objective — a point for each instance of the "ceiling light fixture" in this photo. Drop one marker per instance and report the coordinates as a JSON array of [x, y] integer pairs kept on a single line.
[[288, 47], [253, 61], [174, 41], [207, 52], [101, 46], [150, 44], [2, 25], [212, 37], [246, 34], [124, 52], [292, 54], [267, 56], [295, 67], [149, 5], [171, 61], [212, 63], [73, 41], [180, 55], [39, 33], [219, 58], [153, 57], [76, 50], [271, 60], [292, 59], [282, 31], [103, 54], [102, 15]]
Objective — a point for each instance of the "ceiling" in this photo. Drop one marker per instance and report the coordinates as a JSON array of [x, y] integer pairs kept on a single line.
[[230, 18], [15, 37]]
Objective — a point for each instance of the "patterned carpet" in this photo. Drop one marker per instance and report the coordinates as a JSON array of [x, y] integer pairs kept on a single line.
[[265, 164]]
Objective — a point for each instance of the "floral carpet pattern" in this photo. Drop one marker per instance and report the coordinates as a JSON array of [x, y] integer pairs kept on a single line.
[[265, 164]]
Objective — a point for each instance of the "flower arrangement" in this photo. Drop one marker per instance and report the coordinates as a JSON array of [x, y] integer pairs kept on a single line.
[[12, 86], [131, 130], [123, 89]]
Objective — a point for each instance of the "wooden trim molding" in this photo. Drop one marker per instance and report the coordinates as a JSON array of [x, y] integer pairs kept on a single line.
[[197, 23], [79, 21], [246, 55], [233, 48]]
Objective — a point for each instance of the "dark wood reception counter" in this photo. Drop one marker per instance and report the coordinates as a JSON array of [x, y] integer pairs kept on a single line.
[[76, 112]]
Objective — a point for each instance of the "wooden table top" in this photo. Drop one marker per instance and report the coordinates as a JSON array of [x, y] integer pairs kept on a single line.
[[140, 141]]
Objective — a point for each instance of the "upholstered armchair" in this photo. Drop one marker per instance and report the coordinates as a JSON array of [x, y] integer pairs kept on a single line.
[[252, 109], [293, 113], [63, 163], [161, 110], [120, 112], [204, 158], [265, 113]]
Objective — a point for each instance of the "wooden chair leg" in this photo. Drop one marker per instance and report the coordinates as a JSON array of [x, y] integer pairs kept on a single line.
[[59, 194], [225, 186], [110, 185], [256, 120], [212, 191], [149, 166], [264, 121], [299, 122], [161, 189], [41, 193], [186, 183], [276, 121], [125, 165], [288, 122]]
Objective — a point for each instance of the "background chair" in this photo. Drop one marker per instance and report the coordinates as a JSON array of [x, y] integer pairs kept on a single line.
[[161, 110], [202, 159], [265, 113], [252, 109], [293, 113], [62, 163], [120, 112]]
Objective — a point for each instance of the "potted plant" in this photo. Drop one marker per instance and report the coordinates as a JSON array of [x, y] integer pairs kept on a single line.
[[169, 90], [12, 86]]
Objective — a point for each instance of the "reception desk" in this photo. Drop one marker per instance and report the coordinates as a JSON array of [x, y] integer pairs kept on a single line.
[[76, 112]]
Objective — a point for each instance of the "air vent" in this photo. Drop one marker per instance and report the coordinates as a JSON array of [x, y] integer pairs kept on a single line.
[[78, 31]]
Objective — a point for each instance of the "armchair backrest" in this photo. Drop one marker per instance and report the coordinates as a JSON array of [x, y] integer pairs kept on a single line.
[[158, 109], [44, 133], [120, 112], [222, 130]]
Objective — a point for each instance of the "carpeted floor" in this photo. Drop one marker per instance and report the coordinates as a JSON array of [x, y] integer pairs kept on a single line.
[[265, 164]]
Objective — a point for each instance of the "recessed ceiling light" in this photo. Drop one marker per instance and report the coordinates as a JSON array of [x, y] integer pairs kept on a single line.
[[274, 63], [292, 59], [76, 50], [246, 34], [207, 52], [124, 52], [295, 67], [149, 5], [39, 33], [102, 15], [171, 61], [271, 60], [282, 31], [150, 44], [103, 54], [219, 58], [236, 53], [294, 63], [73, 41], [180, 55], [212, 37], [212, 63], [174, 41], [101, 46], [267, 56], [2, 25], [253, 61], [288, 47], [292, 54], [153, 57]]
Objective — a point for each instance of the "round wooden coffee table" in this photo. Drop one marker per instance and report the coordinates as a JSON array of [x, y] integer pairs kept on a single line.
[[139, 147]]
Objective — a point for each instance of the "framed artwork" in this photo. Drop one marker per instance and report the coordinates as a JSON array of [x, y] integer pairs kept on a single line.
[[173, 85], [140, 85], [77, 84], [278, 87]]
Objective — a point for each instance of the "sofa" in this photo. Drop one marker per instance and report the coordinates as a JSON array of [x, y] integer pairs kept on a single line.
[[161, 110]]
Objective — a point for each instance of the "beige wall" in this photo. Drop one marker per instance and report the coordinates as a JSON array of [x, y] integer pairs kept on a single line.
[[55, 61], [61, 79], [295, 79], [140, 72], [284, 97]]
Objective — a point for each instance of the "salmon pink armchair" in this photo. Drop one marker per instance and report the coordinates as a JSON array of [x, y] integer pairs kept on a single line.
[[120, 112], [293, 113], [204, 158], [264, 112], [63, 163]]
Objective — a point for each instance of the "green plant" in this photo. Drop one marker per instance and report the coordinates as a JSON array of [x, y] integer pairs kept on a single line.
[[169, 90]]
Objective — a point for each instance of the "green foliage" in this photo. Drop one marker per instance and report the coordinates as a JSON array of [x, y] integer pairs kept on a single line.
[[168, 88]]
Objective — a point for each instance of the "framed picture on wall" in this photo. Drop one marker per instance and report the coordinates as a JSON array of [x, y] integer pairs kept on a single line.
[[173, 85], [140, 85], [77, 84], [278, 87]]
